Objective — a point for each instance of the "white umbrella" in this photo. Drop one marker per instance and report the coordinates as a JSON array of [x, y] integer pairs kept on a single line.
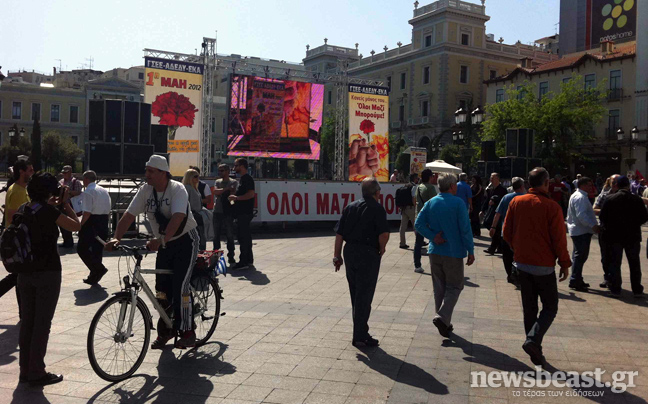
[[440, 166]]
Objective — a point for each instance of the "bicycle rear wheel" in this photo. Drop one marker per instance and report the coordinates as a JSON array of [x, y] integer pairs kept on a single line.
[[206, 309], [113, 355]]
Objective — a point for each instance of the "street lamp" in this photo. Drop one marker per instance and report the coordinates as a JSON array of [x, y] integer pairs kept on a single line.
[[22, 132], [554, 144], [461, 136], [460, 116], [620, 134], [455, 137], [12, 133], [635, 133], [478, 115]]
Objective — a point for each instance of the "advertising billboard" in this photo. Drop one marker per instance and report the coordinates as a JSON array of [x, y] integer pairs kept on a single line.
[[613, 20], [174, 90], [418, 158], [368, 132], [274, 118]]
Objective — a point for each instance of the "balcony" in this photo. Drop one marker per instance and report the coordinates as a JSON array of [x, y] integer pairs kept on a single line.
[[396, 125], [615, 94], [424, 120], [441, 4]]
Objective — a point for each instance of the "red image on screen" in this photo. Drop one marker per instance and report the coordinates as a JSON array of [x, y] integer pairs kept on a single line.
[[275, 118]]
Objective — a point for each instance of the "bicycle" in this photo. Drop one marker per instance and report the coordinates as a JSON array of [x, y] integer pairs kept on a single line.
[[120, 331]]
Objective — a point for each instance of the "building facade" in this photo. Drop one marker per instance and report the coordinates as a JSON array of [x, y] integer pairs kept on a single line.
[[617, 66]]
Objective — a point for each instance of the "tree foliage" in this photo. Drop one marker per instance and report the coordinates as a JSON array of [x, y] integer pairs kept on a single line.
[[451, 154], [36, 152], [327, 137], [59, 150], [566, 118], [11, 152]]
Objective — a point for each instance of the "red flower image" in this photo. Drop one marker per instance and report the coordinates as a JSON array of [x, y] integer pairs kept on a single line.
[[174, 109], [367, 126]]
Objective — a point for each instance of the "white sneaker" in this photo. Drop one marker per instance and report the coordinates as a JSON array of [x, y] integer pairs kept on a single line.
[[418, 270]]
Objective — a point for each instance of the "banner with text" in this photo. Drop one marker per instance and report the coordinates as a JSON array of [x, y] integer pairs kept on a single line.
[[418, 158], [174, 90], [287, 201], [368, 132]]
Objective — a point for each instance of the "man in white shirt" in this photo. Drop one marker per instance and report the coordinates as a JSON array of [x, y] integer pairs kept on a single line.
[[581, 224], [95, 202]]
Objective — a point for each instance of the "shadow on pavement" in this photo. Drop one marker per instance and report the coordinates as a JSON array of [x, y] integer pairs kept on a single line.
[[252, 274], [9, 343], [91, 295], [571, 296], [32, 395], [183, 376], [485, 355], [380, 361], [469, 284]]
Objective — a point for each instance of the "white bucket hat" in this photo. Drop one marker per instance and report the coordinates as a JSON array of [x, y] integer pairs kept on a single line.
[[159, 162]]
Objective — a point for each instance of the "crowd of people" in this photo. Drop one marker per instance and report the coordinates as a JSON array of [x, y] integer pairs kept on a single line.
[[528, 224], [181, 219]]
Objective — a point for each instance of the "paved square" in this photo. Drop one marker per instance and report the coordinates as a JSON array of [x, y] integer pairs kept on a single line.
[[286, 337]]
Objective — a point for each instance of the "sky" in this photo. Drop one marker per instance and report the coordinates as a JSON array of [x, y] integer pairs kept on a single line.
[[40, 32]]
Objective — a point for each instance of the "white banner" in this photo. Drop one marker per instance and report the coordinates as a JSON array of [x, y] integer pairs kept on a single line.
[[295, 201]]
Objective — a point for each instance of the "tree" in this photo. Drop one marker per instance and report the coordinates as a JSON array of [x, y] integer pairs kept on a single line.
[[10, 152], [450, 154], [59, 150], [36, 153], [327, 137], [564, 119]]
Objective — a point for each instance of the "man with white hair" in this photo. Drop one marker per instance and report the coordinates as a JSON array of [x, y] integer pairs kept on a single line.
[[444, 221]]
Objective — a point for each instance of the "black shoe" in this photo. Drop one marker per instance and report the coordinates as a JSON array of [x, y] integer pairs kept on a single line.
[[63, 245], [231, 262], [640, 295], [100, 275], [49, 378], [404, 247], [425, 244], [368, 342], [440, 325], [605, 284], [613, 294], [580, 287], [489, 252], [240, 265], [90, 280], [534, 351], [160, 342]]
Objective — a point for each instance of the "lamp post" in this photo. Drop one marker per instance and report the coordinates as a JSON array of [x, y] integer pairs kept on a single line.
[[12, 135], [634, 133], [436, 149], [468, 123], [620, 134]]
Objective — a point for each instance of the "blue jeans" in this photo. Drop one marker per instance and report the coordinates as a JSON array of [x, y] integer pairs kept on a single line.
[[418, 244], [579, 257]]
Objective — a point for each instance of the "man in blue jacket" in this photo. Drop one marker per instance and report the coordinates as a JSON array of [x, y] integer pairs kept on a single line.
[[444, 220]]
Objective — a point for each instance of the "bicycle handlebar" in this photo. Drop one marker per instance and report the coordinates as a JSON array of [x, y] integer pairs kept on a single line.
[[123, 247]]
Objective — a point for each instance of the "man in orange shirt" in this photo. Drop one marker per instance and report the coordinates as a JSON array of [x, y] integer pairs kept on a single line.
[[535, 230]]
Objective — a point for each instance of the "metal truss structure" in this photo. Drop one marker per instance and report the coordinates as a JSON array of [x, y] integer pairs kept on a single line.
[[258, 67]]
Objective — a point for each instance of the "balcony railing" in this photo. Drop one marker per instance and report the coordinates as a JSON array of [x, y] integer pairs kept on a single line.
[[441, 4], [396, 125], [615, 94]]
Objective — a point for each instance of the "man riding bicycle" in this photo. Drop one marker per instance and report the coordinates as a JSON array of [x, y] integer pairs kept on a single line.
[[166, 205]]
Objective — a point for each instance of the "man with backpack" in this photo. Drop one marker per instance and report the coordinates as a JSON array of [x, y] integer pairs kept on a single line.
[[406, 201]]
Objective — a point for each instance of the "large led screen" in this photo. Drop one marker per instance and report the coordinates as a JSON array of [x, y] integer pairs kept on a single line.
[[274, 118]]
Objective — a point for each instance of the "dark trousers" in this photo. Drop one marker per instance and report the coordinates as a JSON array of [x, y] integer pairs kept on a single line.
[[579, 257], [615, 253], [245, 238], [224, 224], [39, 293], [180, 256], [496, 241], [418, 244], [605, 260], [507, 258], [532, 287], [67, 237], [202, 244], [362, 265], [6, 284], [90, 250]]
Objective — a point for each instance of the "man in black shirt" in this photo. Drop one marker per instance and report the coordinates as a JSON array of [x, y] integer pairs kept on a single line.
[[243, 201], [494, 188], [364, 228], [621, 218]]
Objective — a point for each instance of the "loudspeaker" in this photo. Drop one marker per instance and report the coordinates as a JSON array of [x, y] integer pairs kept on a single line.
[[481, 169], [488, 151], [506, 167], [105, 158], [519, 167], [159, 135], [533, 163], [491, 167], [511, 142], [114, 122], [96, 120], [135, 158], [131, 122], [145, 124], [519, 143]]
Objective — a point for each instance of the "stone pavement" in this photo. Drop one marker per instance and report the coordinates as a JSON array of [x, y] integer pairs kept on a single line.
[[286, 337]]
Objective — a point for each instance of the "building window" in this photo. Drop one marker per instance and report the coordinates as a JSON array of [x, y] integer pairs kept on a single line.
[[499, 95], [425, 106], [465, 39], [590, 81], [330, 97], [428, 41], [614, 121], [463, 104], [16, 110], [493, 74], [36, 111], [463, 78], [55, 113], [401, 113], [224, 128], [566, 80], [74, 114], [403, 80], [543, 89], [615, 79], [140, 76], [426, 75], [75, 139], [388, 83], [213, 125], [521, 92]]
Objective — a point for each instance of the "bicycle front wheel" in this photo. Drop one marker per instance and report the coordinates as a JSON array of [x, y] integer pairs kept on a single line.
[[206, 307], [113, 354]]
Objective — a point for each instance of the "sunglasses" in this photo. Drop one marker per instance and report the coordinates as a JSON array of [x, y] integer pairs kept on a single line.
[[195, 176]]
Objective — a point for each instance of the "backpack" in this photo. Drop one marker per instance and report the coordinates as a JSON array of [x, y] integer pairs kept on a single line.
[[16, 240], [404, 196]]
